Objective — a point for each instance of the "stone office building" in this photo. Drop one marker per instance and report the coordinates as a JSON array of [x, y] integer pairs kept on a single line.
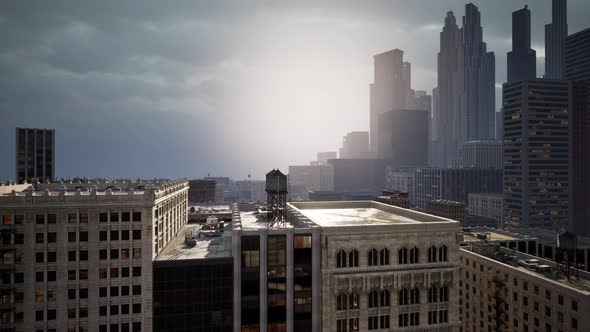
[[78, 256]]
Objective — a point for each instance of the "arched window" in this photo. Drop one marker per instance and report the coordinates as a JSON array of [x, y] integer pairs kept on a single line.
[[341, 258], [372, 257], [385, 298], [433, 294], [353, 258], [403, 296], [443, 293], [353, 300], [442, 253], [384, 256], [414, 296], [374, 298], [432, 254], [402, 256], [414, 255], [341, 301]]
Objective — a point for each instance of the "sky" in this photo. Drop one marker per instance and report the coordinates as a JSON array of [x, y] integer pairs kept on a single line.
[[222, 88]]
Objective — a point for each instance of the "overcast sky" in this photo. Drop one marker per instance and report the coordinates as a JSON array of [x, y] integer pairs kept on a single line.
[[186, 88]]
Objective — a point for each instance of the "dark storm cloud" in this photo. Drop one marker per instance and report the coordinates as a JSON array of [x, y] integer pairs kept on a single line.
[[146, 88]]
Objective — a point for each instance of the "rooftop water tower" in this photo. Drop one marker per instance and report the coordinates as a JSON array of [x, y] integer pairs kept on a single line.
[[276, 193]]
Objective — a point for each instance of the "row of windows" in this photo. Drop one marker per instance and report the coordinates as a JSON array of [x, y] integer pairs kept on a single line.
[[82, 255], [116, 309], [82, 236], [72, 218], [114, 235], [381, 257], [383, 321], [382, 298]]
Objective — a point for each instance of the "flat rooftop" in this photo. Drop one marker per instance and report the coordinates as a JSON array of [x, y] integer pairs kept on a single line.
[[206, 247], [362, 213]]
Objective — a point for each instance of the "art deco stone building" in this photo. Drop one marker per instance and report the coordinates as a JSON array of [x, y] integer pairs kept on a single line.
[[78, 256]]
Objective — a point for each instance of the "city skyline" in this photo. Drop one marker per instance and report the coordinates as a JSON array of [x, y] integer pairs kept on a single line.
[[124, 105]]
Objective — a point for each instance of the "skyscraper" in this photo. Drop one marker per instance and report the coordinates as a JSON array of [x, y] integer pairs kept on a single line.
[[355, 145], [403, 138], [537, 142], [452, 122], [522, 61], [389, 88], [35, 154], [555, 34], [577, 68], [480, 77]]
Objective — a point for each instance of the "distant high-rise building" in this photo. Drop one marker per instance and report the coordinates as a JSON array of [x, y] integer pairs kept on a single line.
[[355, 145], [577, 68], [324, 156], [305, 178], [499, 126], [389, 89], [433, 143], [201, 191], [537, 167], [403, 138], [483, 154], [358, 175], [454, 183], [480, 77], [452, 121], [522, 61], [555, 34], [35, 154]]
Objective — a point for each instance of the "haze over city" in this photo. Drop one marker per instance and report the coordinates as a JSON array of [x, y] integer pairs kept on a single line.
[[152, 89]]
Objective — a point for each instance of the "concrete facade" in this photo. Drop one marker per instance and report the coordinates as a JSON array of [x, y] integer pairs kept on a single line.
[[78, 256]]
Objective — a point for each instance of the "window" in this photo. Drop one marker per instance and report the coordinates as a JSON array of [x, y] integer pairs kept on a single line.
[[353, 258], [83, 274], [414, 255], [136, 308], [102, 235], [125, 254], [102, 292], [136, 252], [19, 219], [114, 272], [354, 302], [102, 254], [114, 235], [341, 301], [341, 325], [72, 256], [114, 310], [136, 289], [442, 253], [51, 276], [125, 235], [51, 237], [353, 324], [71, 236], [51, 295], [137, 271], [83, 293], [71, 313], [124, 290], [83, 312], [341, 258], [403, 296], [51, 256], [384, 321], [125, 272], [83, 236], [114, 291], [574, 323], [114, 253], [126, 216], [384, 256], [402, 256], [414, 319], [102, 273], [414, 296], [72, 218], [83, 218], [39, 296], [39, 219], [373, 298], [403, 320], [39, 315], [372, 257], [39, 257], [102, 311], [103, 217], [137, 234], [373, 322], [124, 309], [385, 299], [39, 276], [575, 305], [114, 216], [71, 274], [432, 258], [136, 216], [39, 238]]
